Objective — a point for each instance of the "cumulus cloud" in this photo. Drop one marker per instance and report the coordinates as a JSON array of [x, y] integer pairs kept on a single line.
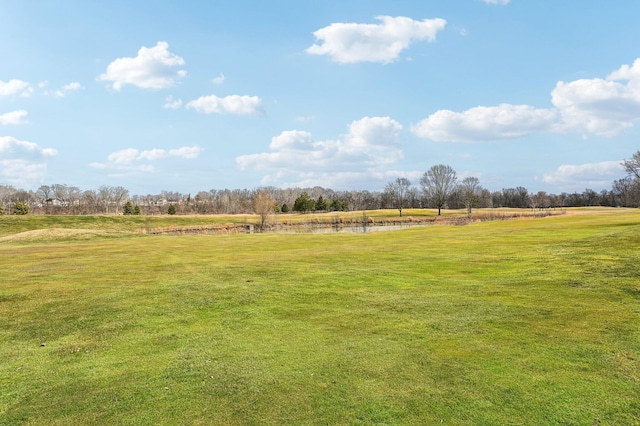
[[486, 123], [602, 107], [153, 68], [589, 175], [23, 163], [64, 90], [171, 103], [132, 159], [15, 88], [13, 117], [234, 104], [10, 146], [382, 42], [371, 144]]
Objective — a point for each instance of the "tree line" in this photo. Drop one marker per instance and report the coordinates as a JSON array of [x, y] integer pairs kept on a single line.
[[438, 188]]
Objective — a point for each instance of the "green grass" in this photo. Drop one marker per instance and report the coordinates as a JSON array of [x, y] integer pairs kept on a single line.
[[531, 321]]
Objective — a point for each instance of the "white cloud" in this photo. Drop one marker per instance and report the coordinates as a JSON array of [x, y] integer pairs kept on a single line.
[[371, 144], [383, 42], [23, 163], [64, 90], [602, 107], [589, 175], [219, 79], [15, 88], [132, 159], [486, 123], [188, 152], [22, 173], [234, 104], [498, 2], [13, 117], [171, 103], [11, 146], [153, 68]]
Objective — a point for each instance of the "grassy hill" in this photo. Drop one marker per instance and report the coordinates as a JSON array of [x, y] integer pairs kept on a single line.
[[532, 321]]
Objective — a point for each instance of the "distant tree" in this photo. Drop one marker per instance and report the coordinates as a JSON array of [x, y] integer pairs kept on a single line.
[[397, 191], [339, 206], [284, 208], [1, 210], [539, 200], [136, 210], [321, 204], [263, 205], [44, 194], [632, 166], [20, 208], [304, 203], [119, 193], [127, 210], [437, 184], [470, 192], [626, 191], [171, 210]]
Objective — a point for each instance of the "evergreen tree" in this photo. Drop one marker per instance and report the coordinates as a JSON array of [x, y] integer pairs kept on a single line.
[[304, 204], [1, 210], [321, 204], [20, 208], [172, 209], [127, 209], [284, 209], [339, 206], [136, 210]]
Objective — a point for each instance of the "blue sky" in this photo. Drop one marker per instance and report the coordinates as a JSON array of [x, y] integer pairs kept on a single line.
[[190, 96]]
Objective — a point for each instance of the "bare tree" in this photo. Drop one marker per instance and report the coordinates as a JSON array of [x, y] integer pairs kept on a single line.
[[105, 196], [263, 205], [437, 183], [44, 194], [119, 194], [470, 191], [632, 167], [540, 200], [397, 191]]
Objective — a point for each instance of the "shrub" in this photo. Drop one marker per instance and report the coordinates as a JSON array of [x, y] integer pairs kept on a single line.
[[20, 208]]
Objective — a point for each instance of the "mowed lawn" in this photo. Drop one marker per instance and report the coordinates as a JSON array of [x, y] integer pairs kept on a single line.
[[533, 321]]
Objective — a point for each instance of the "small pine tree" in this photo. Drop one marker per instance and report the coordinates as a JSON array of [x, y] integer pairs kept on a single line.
[[321, 204], [20, 208], [136, 210], [127, 209], [1, 210], [284, 209], [172, 209]]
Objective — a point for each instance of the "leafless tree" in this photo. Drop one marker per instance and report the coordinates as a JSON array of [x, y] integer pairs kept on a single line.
[[632, 166], [263, 205], [437, 184], [470, 191], [398, 191]]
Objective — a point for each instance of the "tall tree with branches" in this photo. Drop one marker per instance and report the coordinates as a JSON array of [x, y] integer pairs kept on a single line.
[[398, 190], [470, 192], [632, 166], [437, 184]]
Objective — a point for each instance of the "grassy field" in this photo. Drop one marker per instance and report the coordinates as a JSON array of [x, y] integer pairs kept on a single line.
[[532, 321]]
